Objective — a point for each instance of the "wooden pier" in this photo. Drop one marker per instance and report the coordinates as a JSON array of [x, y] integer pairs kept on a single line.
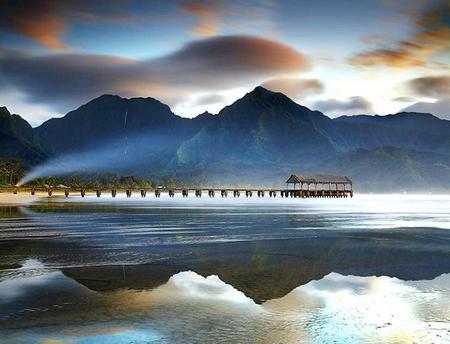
[[297, 186], [202, 192]]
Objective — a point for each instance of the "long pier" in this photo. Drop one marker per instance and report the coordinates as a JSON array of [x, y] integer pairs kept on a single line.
[[202, 192]]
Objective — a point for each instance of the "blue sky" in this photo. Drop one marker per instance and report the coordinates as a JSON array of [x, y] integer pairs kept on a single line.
[[341, 57]]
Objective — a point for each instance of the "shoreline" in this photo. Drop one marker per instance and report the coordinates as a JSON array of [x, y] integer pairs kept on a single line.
[[22, 197]]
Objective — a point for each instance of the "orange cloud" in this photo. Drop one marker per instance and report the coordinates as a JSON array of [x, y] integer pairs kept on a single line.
[[46, 21], [432, 37], [47, 30], [40, 21], [208, 15]]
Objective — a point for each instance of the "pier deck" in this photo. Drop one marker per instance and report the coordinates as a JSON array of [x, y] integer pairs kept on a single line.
[[200, 192]]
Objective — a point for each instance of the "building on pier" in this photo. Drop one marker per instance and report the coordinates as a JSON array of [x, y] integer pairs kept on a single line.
[[320, 182]]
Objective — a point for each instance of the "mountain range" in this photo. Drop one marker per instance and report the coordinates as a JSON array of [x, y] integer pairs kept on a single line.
[[260, 139]]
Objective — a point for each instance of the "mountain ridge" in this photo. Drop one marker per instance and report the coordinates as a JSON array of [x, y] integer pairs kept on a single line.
[[261, 137]]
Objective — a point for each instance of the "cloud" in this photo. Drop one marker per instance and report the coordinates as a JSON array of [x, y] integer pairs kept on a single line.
[[349, 106], [437, 87], [47, 21], [213, 17], [209, 99], [38, 21], [65, 80], [295, 88], [208, 17], [440, 108], [431, 37], [403, 99], [431, 86]]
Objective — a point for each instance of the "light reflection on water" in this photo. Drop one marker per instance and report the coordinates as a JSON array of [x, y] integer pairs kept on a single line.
[[288, 270], [192, 308]]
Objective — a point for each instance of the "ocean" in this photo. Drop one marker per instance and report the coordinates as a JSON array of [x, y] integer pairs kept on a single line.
[[370, 269]]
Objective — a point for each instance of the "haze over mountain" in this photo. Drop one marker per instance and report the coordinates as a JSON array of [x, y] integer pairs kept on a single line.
[[258, 140]]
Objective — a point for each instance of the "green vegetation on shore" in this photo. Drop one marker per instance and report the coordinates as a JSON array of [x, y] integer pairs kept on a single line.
[[11, 171]]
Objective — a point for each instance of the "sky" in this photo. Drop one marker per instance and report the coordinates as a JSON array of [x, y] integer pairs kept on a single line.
[[339, 57]]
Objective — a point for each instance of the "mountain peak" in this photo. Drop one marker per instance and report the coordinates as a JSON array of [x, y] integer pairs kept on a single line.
[[260, 91], [262, 95], [4, 110], [205, 113]]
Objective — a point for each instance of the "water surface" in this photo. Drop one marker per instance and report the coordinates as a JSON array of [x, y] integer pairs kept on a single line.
[[368, 269]]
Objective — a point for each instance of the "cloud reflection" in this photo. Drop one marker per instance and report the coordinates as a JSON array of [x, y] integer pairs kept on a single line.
[[338, 308]]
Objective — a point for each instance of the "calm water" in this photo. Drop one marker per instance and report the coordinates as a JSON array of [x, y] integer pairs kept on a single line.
[[370, 269]]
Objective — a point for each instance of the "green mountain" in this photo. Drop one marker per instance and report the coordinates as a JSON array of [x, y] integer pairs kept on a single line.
[[139, 135], [259, 139], [391, 169], [260, 135], [18, 139]]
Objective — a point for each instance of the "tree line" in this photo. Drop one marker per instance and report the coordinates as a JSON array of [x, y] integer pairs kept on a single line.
[[11, 171]]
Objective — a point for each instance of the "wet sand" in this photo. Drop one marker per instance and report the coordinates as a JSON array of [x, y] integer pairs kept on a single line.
[[21, 198]]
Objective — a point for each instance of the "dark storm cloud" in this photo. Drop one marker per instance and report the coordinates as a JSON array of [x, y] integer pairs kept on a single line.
[[431, 37], [352, 105], [294, 87], [64, 80], [46, 21]]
